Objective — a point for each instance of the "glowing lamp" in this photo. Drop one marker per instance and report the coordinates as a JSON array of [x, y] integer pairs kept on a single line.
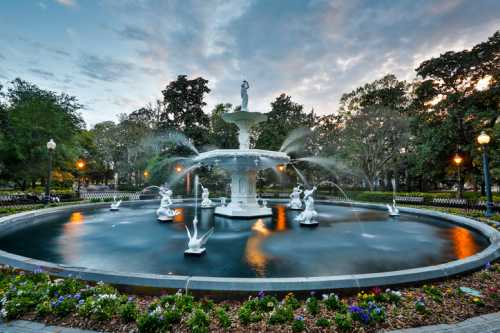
[[483, 138], [51, 145], [457, 159]]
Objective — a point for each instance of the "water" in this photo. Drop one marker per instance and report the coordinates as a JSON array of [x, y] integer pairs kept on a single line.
[[295, 140], [131, 240]]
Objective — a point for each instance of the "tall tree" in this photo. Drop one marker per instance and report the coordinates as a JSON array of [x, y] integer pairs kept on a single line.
[[32, 116], [284, 117], [183, 100]]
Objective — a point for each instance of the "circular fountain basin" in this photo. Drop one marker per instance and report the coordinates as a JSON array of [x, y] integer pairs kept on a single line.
[[242, 159], [353, 247]]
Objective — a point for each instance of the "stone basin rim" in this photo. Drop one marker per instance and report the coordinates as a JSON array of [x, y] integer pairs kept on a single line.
[[247, 285]]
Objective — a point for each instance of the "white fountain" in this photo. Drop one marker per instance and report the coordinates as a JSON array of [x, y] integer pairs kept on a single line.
[[115, 205], [205, 198], [243, 163], [165, 213], [195, 244], [308, 216], [295, 202]]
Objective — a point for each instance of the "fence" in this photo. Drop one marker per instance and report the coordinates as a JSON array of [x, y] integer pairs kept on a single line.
[[110, 195]]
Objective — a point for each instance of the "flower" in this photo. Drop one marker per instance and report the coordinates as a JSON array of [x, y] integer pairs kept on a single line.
[[299, 318], [261, 294], [487, 265]]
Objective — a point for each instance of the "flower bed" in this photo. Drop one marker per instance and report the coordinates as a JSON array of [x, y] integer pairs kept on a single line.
[[70, 302]]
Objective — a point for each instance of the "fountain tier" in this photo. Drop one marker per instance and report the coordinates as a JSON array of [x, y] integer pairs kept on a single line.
[[243, 165]]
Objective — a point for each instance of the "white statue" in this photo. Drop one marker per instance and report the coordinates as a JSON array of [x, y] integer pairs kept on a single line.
[[244, 95], [393, 210], [195, 244], [308, 216], [205, 200], [115, 204], [165, 213], [295, 201], [223, 201]]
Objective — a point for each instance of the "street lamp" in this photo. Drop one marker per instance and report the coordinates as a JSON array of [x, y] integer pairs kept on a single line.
[[79, 167], [457, 159], [484, 139], [51, 146]]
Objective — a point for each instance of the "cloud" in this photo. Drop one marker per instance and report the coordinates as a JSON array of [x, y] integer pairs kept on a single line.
[[134, 33], [104, 68], [66, 3], [42, 73]]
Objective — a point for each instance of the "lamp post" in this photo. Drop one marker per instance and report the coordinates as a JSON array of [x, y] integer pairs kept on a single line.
[[457, 159], [51, 146], [483, 139], [79, 167]]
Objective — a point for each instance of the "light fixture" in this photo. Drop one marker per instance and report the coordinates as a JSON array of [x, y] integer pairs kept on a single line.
[[51, 145], [483, 138]]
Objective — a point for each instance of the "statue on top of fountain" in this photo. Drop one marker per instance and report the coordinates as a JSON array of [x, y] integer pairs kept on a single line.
[[308, 216], [244, 95], [295, 201], [165, 213], [205, 200]]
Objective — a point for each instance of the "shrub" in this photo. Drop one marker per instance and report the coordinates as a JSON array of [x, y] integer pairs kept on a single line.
[[298, 324], [223, 318], [312, 305], [128, 311], [248, 314], [323, 322], [343, 321], [198, 322], [281, 315], [149, 323], [291, 301], [95, 200], [434, 293]]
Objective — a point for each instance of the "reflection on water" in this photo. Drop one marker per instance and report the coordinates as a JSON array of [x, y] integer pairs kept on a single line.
[[464, 244], [254, 255], [179, 217], [76, 218], [280, 218]]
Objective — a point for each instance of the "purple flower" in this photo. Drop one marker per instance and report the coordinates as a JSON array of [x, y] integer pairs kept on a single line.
[[81, 302], [77, 296], [261, 294], [299, 318], [38, 270], [60, 299], [488, 265], [312, 293], [130, 298]]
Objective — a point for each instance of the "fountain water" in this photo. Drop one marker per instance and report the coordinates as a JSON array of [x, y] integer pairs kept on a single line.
[[195, 244], [393, 210], [243, 164]]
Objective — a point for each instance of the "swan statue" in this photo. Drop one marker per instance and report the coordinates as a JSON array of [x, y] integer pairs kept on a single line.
[[195, 244], [393, 210], [115, 205]]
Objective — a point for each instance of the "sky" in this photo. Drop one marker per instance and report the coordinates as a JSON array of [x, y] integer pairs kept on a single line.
[[116, 56]]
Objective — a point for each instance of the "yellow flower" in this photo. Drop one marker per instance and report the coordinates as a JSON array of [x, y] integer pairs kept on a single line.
[[476, 299]]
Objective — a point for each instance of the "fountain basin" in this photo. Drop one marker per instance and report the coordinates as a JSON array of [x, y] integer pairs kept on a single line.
[[80, 241]]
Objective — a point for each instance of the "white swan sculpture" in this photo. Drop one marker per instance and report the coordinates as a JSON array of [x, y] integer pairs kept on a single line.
[[115, 205], [393, 210], [195, 244]]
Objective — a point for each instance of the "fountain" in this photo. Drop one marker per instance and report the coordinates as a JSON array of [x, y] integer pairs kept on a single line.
[[195, 244], [295, 202], [308, 217], [205, 200], [165, 213], [243, 164], [393, 210], [115, 205]]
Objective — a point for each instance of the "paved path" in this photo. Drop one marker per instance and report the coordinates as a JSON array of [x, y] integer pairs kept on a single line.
[[489, 323]]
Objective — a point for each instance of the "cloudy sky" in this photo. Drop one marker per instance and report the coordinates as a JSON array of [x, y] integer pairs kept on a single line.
[[117, 55]]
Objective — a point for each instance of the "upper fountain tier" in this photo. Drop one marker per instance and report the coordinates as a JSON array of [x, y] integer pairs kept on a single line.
[[243, 158]]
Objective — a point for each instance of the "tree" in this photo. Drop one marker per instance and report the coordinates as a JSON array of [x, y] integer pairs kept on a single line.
[[459, 96], [372, 138], [183, 100], [30, 118], [223, 135], [284, 117]]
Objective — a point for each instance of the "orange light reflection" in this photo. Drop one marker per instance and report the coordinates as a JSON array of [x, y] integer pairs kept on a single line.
[[179, 217], [464, 244], [281, 218]]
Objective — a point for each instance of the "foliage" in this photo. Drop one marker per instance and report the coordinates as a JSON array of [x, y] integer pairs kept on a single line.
[[343, 321], [199, 321]]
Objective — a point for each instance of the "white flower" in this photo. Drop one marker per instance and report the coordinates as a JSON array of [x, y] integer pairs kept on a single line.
[[3, 313]]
